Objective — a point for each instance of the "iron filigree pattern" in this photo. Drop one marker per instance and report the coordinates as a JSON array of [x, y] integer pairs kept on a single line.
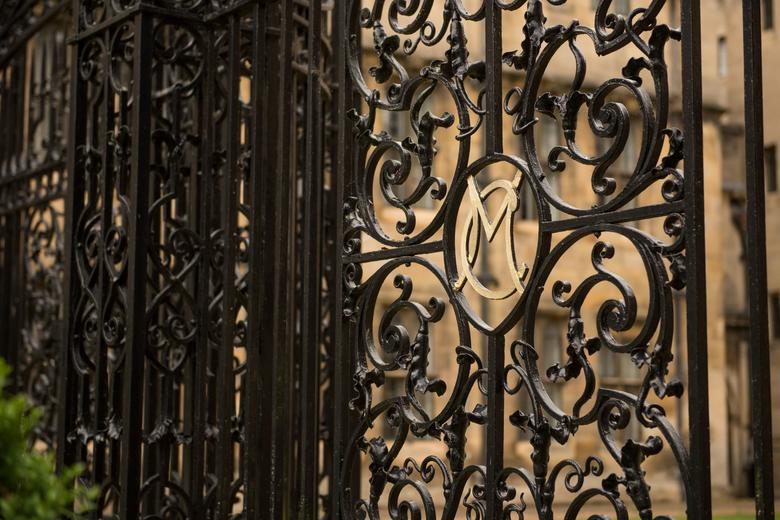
[[97, 332], [32, 252], [34, 71], [21, 19], [176, 172], [401, 55], [41, 314], [191, 273]]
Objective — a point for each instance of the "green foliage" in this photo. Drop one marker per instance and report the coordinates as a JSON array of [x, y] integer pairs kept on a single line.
[[29, 487]]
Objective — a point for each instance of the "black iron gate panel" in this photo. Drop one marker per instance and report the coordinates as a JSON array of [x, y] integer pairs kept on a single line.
[[497, 90], [34, 72], [194, 267]]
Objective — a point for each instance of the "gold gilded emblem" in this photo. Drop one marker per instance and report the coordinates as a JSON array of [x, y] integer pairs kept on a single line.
[[477, 220]]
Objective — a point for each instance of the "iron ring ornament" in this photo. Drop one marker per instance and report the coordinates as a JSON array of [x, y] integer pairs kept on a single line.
[[615, 108]]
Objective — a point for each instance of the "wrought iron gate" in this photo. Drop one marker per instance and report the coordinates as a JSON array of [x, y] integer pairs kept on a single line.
[[34, 72], [204, 205], [199, 156], [499, 98]]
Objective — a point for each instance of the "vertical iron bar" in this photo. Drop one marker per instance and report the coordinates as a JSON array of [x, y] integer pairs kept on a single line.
[[277, 316], [761, 392], [4, 125], [255, 440], [74, 202], [495, 425], [330, 261], [284, 267], [6, 281], [199, 390], [225, 379], [494, 448], [342, 176], [14, 297], [700, 502], [135, 346], [265, 193], [493, 79], [311, 272], [106, 187]]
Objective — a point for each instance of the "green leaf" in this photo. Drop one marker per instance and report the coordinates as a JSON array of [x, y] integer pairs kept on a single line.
[[29, 486]]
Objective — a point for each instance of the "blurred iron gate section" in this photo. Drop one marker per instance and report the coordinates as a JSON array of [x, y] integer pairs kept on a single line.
[[397, 485], [199, 324], [34, 72]]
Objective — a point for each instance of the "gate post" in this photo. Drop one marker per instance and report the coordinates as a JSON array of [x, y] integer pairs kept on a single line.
[[311, 270], [137, 235], [760, 376], [275, 296], [343, 175], [700, 504], [139, 256], [74, 201], [257, 347]]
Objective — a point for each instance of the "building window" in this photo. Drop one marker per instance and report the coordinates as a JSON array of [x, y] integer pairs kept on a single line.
[[527, 209], [774, 314], [398, 125], [768, 14], [549, 345], [623, 168], [548, 135], [395, 380], [394, 386], [723, 57], [618, 372], [618, 6], [551, 352], [770, 167]]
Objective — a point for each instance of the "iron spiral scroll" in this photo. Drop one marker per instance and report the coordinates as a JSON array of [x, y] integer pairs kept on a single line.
[[398, 75]]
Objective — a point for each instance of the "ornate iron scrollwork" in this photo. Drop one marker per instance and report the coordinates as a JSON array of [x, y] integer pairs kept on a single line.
[[34, 73], [176, 172], [407, 68]]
